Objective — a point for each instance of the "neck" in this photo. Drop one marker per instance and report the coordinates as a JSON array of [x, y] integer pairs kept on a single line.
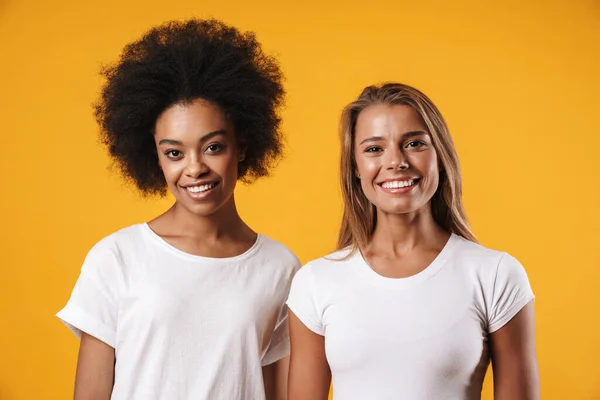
[[225, 222], [400, 233]]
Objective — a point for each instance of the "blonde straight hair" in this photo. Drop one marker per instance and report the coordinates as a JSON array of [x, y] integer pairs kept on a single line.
[[360, 216]]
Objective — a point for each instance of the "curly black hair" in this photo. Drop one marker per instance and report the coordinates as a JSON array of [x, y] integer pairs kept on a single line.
[[178, 62]]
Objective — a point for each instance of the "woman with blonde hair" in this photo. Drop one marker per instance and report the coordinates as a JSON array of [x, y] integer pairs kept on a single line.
[[410, 306]]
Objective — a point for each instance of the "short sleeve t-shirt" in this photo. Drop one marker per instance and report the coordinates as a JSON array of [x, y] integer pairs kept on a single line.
[[421, 337], [184, 326]]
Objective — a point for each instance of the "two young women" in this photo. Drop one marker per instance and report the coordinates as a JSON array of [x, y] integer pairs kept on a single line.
[[192, 305]]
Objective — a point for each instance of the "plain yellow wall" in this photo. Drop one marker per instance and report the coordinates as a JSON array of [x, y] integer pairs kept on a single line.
[[519, 84]]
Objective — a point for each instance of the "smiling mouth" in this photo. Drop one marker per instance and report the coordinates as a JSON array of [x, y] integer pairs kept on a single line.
[[201, 188], [399, 184]]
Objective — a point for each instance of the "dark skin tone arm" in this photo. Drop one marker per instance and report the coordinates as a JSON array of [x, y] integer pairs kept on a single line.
[[275, 378], [310, 376], [95, 370], [514, 360]]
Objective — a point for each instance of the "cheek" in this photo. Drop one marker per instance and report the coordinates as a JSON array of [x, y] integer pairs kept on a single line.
[[367, 168], [225, 165], [171, 171], [429, 164]]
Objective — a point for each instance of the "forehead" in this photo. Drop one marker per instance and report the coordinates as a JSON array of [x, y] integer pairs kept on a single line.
[[196, 118], [384, 120]]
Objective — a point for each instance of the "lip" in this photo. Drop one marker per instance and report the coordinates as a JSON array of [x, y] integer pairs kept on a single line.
[[199, 183], [401, 190], [200, 195], [398, 178]]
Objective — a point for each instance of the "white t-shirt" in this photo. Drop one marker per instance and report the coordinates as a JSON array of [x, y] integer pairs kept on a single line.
[[421, 337], [184, 326]]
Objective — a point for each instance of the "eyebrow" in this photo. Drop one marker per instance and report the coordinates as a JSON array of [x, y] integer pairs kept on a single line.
[[404, 136], [202, 139]]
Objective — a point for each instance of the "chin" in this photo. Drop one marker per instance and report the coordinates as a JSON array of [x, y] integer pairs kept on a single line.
[[204, 210], [398, 209]]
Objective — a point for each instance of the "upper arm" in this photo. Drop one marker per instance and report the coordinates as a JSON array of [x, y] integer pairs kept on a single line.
[[93, 305], [514, 360], [91, 313], [310, 375], [95, 369], [275, 378]]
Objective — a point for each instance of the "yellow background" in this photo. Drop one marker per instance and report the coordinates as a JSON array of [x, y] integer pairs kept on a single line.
[[518, 82]]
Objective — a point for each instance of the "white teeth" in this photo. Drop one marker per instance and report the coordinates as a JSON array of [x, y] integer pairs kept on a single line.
[[201, 188], [398, 184]]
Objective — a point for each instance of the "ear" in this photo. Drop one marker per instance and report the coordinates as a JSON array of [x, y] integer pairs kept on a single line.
[[157, 157], [242, 151], [356, 173]]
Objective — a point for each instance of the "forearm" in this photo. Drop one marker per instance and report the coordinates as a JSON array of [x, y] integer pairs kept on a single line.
[[95, 370], [275, 378]]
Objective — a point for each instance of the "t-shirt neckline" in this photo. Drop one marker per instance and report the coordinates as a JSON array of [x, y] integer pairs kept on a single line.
[[365, 270], [166, 245]]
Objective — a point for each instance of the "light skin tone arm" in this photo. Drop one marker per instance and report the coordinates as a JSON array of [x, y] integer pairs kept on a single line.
[[95, 370], [310, 375], [514, 360], [275, 378]]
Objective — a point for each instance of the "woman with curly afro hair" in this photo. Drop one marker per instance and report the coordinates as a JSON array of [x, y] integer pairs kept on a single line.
[[190, 305]]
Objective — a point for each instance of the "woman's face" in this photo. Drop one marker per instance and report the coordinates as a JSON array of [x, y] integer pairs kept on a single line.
[[198, 154], [395, 159]]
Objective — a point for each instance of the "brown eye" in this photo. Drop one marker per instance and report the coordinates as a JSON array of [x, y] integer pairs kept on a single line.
[[415, 143], [214, 147], [173, 153]]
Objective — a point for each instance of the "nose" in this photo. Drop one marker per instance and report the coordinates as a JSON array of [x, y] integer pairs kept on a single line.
[[195, 167], [397, 160]]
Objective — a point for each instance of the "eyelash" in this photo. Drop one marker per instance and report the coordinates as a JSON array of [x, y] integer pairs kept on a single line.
[[219, 147], [169, 153], [419, 142], [216, 147], [374, 149]]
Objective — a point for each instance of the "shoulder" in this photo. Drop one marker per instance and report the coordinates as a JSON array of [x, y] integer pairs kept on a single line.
[[471, 257], [118, 244], [482, 255], [475, 253], [319, 279], [274, 251], [108, 261], [329, 267], [489, 265]]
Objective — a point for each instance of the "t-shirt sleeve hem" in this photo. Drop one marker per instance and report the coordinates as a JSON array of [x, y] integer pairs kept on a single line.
[[305, 320], [79, 321], [517, 306], [276, 353]]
